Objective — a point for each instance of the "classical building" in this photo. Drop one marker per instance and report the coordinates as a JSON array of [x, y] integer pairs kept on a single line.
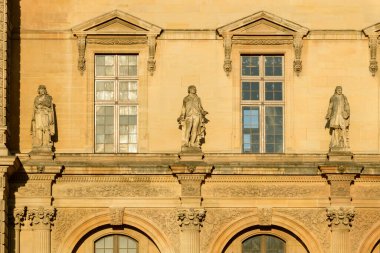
[[189, 126]]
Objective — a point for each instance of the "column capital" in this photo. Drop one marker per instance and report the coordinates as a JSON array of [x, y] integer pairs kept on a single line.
[[340, 218], [19, 215], [191, 218], [40, 217]]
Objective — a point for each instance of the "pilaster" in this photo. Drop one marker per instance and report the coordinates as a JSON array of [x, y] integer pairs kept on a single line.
[[190, 220]]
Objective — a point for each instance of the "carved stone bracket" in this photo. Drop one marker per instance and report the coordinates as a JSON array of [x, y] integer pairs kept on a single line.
[[340, 218], [82, 53], [152, 52], [373, 52], [227, 66], [297, 63], [41, 218], [265, 216], [191, 218], [116, 216]]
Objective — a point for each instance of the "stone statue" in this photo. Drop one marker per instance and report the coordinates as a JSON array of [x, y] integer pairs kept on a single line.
[[192, 121], [43, 123], [338, 120]]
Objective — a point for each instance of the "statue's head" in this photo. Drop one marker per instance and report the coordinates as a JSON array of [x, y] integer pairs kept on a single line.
[[42, 89], [338, 90], [192, 89]]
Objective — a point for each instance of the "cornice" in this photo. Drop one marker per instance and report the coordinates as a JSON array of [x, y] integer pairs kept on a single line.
[[118, 179]]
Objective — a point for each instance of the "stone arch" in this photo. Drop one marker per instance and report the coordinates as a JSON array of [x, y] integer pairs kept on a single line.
[[370, 239], [89, 223], [279, 220]]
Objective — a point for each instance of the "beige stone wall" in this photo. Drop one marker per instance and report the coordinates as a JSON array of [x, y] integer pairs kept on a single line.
[[49, 56]]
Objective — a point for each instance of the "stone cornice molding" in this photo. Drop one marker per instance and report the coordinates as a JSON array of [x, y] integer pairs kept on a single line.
[[40, 217], [191, 218], [340, 218], [263, 28], [118, 179], [373, 33], [120, 28]]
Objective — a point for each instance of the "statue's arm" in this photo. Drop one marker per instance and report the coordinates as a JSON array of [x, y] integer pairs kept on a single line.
[[183, 111], [203, 112], [329, 110]]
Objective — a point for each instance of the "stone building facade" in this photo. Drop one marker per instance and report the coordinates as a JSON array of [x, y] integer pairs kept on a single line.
[[116, 178]]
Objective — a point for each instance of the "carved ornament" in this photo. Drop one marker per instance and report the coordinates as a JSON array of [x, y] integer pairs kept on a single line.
[[191, 218], [340, 218], [116, 215], [41, 217], [265, 216], [82, 53], [297, 63], [19, 215], [373, 33]]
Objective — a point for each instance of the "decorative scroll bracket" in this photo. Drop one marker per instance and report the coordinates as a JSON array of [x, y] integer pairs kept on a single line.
[[82, 52], [227, 66], [152, 52], [297, 63], [373, 51]]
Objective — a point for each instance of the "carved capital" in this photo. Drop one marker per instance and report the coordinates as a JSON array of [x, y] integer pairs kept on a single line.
[[297, 63], [41, 217], [116, 216], [265, 216], [19, 215], [227, 53], [82, 53], [340, 218], [191, 218]]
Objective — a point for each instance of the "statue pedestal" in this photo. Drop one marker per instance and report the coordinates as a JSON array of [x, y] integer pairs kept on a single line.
[[191, 156], [42, 154], [340, 156]]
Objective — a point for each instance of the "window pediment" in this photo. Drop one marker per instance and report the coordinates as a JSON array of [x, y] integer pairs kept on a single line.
[[116, 28], [263, 28]]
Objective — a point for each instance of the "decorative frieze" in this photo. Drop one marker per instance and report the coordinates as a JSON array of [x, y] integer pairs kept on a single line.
[[340, 217], [191, 218], [262, 41], [117, 41]]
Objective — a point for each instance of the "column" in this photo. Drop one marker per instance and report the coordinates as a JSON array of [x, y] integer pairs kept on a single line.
[[339, 219], [41, 220], [3, 76], [190, 220], [18, 220]]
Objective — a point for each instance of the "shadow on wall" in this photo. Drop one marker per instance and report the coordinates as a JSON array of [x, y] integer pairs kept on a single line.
[[13, 81]]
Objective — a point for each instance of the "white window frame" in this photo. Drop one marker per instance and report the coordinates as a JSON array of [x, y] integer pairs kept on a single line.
[[116, 103], [261, 103]]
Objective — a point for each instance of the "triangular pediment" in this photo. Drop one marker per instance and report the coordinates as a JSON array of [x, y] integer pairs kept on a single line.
[[372, 30], [263, 23], [116, 22]]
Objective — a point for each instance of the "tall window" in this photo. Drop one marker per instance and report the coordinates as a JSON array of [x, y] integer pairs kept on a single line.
[[116, 244], [116, 107], [262, 100], [263, 244]]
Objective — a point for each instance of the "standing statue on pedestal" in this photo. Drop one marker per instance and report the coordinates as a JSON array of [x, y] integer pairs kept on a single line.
[[43, 124], [338, 116], [192, 121]]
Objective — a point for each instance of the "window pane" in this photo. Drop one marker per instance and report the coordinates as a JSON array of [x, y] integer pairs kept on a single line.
[[274, 245], [273, 129], [252, 245], [250, 90], [273, 65], [128, 128], [128, 65], [99, 244], [273, 91], [105, 65], [104, 90], [250, 65], [251, 129], [128, 90], [104, 128]]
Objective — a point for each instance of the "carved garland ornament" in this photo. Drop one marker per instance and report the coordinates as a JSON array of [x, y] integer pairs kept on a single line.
[[116, 215], [340, 218], [19, 215], [265, 216], [191, 218]]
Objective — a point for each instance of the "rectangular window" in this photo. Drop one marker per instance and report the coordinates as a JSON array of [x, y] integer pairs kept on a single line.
[[262, 102], [116, 107]]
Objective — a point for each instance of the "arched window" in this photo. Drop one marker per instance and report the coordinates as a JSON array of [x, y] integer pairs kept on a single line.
[[263, 244], [116, 244]]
